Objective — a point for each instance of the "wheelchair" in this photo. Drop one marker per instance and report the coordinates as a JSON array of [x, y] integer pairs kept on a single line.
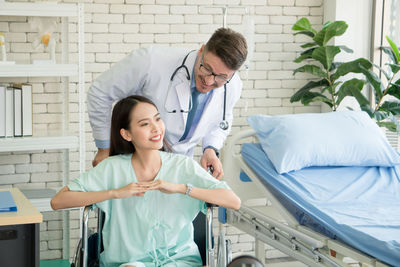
[[90, 245]]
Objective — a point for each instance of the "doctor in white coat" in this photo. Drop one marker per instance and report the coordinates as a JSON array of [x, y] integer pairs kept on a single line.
[[195, 92]]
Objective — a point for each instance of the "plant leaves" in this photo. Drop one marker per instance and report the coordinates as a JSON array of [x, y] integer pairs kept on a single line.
[[325, 55], [308, 33], [391, 106], [306, 88], [315, 97], [352, 66], [368, 109], [312, 69], [331, 30], [335, 65], [307, 45], [304, 55], [326, 24], [383, 71], [394, 90], [377, 115], [346, 49], [352, 88], [391, 126], [390, 53], [396, 122], [395, 68], [303, 24], [301, 58], [394, 49], [376, 83], [331, 89]]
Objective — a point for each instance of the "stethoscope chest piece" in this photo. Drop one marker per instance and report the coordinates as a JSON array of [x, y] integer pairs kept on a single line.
[[224, 125]]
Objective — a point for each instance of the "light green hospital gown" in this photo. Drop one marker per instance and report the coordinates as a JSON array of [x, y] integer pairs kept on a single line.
[[155, 229]]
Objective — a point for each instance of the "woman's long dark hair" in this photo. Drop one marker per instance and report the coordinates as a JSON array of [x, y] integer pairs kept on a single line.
[[121, 119]]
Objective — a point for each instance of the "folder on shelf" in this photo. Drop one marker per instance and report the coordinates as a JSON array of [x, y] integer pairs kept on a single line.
[[2, 110], [17, 112], [9, 112], [7, 203], [26, 107]]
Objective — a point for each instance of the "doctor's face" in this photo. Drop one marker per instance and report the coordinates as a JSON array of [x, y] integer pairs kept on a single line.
[[146, 127], [210, 71]]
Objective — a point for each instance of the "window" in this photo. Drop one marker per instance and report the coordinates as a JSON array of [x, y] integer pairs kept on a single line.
[[386, 22]]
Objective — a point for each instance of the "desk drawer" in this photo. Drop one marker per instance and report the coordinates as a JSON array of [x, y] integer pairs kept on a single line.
[[19, 245]]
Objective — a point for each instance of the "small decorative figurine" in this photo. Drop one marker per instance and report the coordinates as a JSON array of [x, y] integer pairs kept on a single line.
[[3, 50], [45, 28]]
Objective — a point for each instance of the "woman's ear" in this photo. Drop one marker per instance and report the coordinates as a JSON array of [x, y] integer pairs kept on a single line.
[[126, 135]]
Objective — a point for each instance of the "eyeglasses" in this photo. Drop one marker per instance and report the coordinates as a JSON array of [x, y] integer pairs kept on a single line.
[[218, 79]]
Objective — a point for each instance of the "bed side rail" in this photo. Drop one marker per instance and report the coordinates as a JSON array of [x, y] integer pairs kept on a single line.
[[234, 140], [233, 164]]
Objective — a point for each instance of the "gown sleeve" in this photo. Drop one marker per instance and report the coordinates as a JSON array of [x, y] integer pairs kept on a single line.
[[199, 177], [192, 173], [96, 179]]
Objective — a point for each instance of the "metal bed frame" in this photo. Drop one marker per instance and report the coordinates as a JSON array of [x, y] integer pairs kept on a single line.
[[265, 218]]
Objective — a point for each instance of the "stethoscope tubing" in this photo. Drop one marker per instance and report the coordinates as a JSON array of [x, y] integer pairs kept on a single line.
[[224, 125]]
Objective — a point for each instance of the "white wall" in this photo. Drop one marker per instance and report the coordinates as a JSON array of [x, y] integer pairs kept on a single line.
[[115, 27], [358, 15]]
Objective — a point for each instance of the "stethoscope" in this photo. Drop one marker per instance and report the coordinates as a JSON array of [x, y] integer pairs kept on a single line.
[[224, 125]]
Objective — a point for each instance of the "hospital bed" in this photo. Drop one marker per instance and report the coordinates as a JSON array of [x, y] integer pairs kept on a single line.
[[289, 211]]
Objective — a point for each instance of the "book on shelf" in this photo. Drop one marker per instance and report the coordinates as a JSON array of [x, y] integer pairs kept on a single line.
[[7, 203], [17, 111], [2, 110], [26, 102], [9, 112]]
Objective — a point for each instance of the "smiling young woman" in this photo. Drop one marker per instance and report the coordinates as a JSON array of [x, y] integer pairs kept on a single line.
[[149, 197]]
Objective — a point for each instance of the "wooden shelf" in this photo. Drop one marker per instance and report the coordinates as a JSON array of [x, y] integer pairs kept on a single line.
[[38, 70], [40, 198], [39, 9], [13, 144]]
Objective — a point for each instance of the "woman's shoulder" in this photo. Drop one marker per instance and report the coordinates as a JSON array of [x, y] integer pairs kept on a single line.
[[173, 157], [114, 160]]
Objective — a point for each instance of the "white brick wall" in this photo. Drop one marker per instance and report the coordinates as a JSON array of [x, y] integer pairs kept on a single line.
[[115, 27]]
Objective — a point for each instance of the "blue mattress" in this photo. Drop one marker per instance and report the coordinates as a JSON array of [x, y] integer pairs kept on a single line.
[[359, 206]]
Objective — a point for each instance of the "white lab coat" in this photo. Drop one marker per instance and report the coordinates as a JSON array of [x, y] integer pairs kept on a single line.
[[147, 72]]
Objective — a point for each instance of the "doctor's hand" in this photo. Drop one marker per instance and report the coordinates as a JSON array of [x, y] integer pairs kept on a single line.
[[210, 160], [129, 190], [102, 153]]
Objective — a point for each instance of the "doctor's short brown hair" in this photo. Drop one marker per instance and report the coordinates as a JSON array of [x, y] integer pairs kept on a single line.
[[229, 46]]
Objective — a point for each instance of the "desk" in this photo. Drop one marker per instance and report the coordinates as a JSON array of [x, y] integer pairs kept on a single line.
[[19, 233]]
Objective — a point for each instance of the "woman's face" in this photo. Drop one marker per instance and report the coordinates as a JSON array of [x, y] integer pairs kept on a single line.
[[146, 127]]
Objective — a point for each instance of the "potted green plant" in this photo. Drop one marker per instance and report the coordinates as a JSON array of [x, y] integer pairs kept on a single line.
[[331, 87], [386, 104]]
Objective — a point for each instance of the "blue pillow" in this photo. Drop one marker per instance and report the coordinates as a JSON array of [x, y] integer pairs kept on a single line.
[[341, 138]]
